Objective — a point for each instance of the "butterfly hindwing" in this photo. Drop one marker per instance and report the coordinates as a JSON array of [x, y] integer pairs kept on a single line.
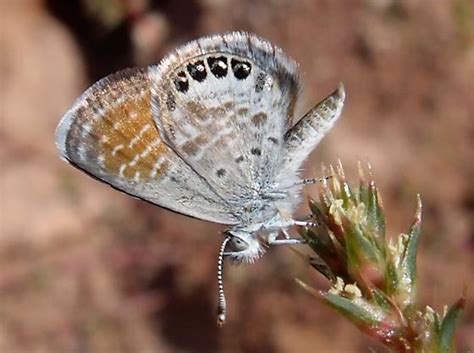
[[224, 103]]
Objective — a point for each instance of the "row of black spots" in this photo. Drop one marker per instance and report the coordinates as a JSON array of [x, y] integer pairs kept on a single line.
[[219, 68]]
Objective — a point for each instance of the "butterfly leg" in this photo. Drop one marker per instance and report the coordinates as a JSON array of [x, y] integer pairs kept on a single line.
[[310, 181], [305, 223], [285, 233], [272, 239], [291, 241]]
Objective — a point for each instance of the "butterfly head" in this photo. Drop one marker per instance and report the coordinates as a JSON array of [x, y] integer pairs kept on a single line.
[[244, 247]]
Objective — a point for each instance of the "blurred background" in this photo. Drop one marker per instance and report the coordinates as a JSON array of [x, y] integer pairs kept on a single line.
[[87, 269]]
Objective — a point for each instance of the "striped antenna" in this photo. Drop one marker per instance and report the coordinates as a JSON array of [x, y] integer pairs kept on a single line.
[[221, 304]]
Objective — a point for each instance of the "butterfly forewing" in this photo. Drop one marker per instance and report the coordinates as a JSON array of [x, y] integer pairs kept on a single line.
[[306, 134], [224, 103], [109, 133]]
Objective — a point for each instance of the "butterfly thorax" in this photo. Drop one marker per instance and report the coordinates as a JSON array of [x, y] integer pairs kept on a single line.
[[262, 216], [258, 207]]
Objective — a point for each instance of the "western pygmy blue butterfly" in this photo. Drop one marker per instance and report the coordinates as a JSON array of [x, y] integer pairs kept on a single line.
[[206, 133]]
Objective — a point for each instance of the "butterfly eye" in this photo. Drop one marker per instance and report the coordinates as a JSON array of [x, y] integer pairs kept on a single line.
[[239, 244]]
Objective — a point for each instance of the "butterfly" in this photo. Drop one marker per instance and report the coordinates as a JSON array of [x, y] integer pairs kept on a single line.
[[208, 133]]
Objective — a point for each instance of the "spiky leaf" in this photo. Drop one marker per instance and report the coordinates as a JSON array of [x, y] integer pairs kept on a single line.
[[448, 327], [407, 267]]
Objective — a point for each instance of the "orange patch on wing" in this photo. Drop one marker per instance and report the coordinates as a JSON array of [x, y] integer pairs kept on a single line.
[[130, 140]]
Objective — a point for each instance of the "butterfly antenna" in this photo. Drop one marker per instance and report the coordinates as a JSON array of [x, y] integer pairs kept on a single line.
[[221, 304]]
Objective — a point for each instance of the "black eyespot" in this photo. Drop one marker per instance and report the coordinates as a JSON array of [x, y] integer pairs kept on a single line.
[[241, 69], [239, 244], [181, 82], [239, 159], [260, 82], [197, 70], [218, 66], [256, 151], [220, 173]]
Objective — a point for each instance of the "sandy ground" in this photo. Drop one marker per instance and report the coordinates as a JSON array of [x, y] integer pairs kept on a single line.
[[87, 269]]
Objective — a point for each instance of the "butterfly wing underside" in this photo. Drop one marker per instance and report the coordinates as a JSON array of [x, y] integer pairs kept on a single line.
[[306, 134], [110, 134], [224, 103]]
